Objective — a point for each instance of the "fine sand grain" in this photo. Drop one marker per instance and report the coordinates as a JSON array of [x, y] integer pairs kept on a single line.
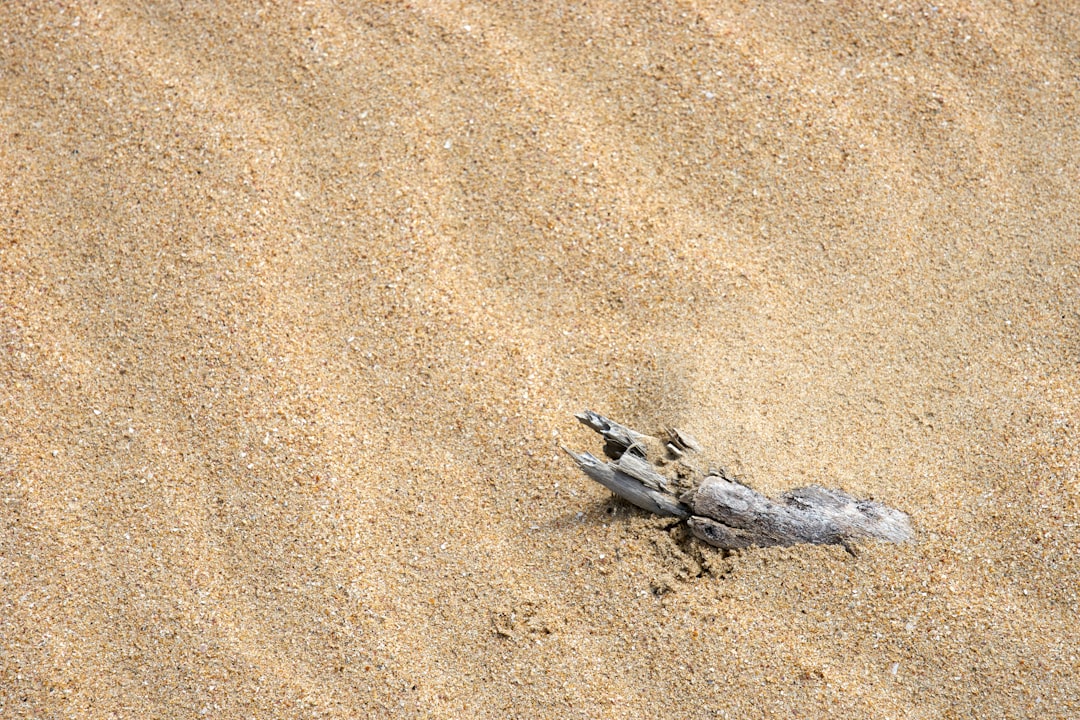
[[298, 299]]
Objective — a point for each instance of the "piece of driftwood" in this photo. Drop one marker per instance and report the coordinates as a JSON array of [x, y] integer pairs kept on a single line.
[[657, 474]]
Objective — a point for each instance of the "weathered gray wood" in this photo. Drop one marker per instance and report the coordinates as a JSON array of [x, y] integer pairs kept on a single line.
[[630, 488], [618, 435], [656, 474]]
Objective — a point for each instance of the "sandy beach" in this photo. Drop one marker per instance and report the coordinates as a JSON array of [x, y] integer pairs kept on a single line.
[[298, 301]]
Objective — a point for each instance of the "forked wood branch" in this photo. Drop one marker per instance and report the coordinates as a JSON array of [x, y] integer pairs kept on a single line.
[[658, 474]]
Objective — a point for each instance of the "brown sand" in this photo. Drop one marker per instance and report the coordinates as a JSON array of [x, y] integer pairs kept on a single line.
[[297, 301]]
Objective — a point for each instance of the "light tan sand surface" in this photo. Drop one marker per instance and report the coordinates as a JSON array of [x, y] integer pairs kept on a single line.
[[298, 299]]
